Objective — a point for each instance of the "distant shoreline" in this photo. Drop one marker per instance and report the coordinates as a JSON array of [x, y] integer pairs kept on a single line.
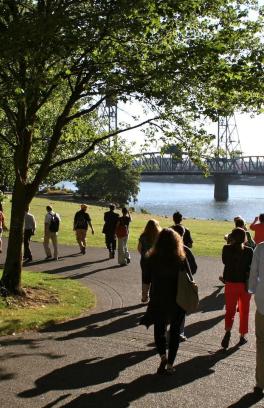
[[248, 181]]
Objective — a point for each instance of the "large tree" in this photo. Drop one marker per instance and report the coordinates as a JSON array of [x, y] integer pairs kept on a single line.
[[61, 59]]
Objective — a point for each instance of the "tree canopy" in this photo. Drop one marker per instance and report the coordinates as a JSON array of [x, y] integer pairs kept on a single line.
[[61, 59]]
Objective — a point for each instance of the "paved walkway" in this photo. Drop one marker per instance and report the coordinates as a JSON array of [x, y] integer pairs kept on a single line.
[[104, 359]]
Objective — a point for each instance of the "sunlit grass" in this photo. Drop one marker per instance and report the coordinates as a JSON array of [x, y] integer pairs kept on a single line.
[[207, 235]]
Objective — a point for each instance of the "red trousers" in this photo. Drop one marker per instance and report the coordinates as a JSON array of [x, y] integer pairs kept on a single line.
[[236, 294]]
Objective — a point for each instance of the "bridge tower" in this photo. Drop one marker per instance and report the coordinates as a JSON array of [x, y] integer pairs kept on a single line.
[[228, 147]]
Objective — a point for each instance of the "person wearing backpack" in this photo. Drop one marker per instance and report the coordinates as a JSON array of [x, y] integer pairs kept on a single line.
[[122, 232], [51, 228], [80, 225]]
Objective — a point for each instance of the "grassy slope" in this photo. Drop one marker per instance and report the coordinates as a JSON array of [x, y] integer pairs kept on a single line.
[[207, 235], [73, 298]]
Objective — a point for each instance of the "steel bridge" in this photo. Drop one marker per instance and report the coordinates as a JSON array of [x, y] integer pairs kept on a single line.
[[157, 164], [221, 169]]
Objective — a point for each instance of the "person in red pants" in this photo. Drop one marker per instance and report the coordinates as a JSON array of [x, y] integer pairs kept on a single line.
[[237, 260]]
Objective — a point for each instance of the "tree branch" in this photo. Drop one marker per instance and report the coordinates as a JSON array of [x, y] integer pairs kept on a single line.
[[96, 142], [85, 111], [7, 141]]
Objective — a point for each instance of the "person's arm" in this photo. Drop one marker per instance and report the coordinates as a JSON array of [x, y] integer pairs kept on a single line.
[[254, 272], [252, 225], [90, 225], [34, 224], [3, 223], [139, 247], [191, 260]]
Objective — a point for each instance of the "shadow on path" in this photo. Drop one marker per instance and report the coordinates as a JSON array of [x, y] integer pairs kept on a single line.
[[214, 301], [122, 394], [247, 401], [202, 325], [86, 373], [115, 320]]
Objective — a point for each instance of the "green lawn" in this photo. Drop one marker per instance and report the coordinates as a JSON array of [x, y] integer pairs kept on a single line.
[[207, 235], [69, 298]]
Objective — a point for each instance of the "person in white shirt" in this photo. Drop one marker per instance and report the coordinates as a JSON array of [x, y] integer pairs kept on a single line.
[[256, 286], [29, 230], [51, 233]]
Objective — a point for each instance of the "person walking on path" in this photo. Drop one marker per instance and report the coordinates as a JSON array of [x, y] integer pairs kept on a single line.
[[258, 226], [80, 225], [193, 268], [237, 259], [122, 233], [51, 228], [110, 221], [146, 241], [256, 286], [29, 230], [187, 239], [165, 261], [2, 226]]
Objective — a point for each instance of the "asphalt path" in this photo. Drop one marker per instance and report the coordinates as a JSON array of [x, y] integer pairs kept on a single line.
[[105, 359]]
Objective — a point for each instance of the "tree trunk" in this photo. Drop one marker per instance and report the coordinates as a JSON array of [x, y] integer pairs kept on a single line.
[[11, 278]]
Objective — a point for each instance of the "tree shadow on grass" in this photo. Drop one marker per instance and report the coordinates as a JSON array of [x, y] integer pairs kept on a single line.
[[89, 372]]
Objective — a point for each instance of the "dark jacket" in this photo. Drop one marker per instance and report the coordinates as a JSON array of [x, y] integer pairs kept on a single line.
[[81, 220], [187, 239], [163, 276], [110, 219], [237, 263], [190, 259]]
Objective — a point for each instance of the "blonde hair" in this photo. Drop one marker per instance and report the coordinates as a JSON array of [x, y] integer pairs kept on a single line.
[[169, 245], [151, 231]]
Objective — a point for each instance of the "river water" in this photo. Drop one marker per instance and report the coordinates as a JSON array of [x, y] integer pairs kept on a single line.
[[197, 200]]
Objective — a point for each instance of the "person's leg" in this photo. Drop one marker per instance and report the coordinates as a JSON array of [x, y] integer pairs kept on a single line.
[[243, 307], [1, 242], [84, 233], [79, 238], [231, 298], [121, 252], [259, 323], [27, 252], [46, 245], [174, 337], [54, 240], [126, 253], [182, 335], [160, 342]]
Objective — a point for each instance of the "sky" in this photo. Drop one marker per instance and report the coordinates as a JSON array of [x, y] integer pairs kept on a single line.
[[250, 130]]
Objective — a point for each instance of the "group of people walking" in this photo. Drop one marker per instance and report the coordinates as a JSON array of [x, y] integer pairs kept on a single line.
[[164, 254]]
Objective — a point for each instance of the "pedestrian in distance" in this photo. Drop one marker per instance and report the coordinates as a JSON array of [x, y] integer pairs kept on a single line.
[[51, 228], [240, 223], [80, 225], [110, 221], [146, 241], [193, 268], [165, 261], [187, 239], [3, 226], [122, 233], [29, 230], [256, 286], [258, 227], [236, 258]]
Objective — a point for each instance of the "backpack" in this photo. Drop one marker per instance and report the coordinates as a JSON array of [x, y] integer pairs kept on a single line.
[[54, 223], [121, 230]]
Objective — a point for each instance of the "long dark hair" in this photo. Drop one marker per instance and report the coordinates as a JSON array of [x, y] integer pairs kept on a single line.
[[238, 238], [169, 246]]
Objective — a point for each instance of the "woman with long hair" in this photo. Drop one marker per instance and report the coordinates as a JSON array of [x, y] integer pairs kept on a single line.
[[146, 241], [165, 261], [237, 259]]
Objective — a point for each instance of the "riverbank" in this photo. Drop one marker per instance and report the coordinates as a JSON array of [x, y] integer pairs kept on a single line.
[[207, 234]]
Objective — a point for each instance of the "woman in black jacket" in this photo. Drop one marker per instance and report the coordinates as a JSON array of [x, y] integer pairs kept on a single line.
[[165, 261], [237, 260]]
